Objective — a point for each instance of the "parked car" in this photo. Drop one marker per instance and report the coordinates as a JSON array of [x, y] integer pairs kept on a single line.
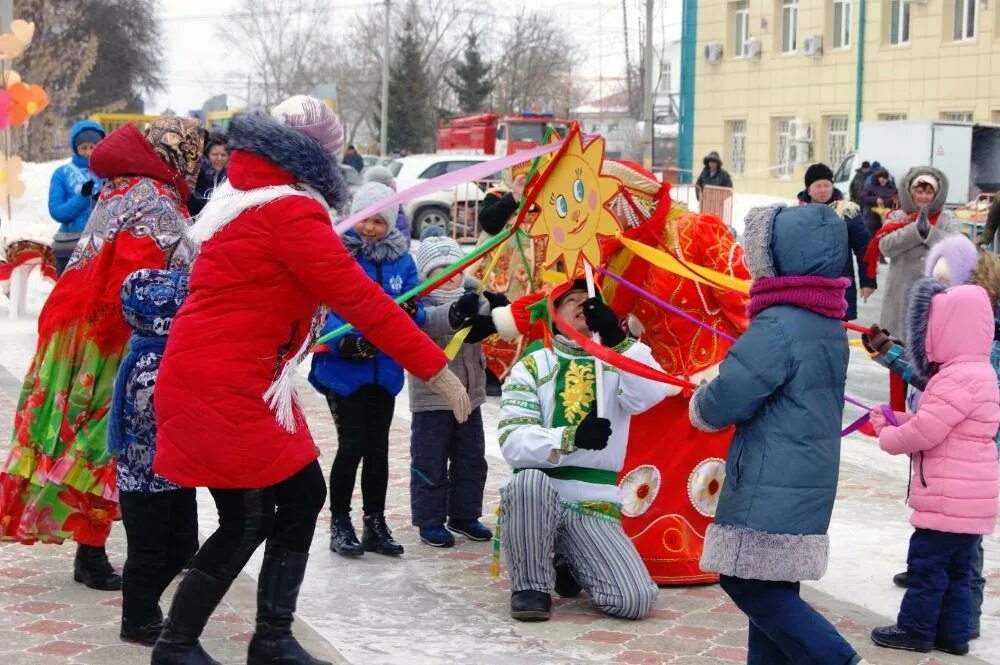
[[434, 209], [374, 160]]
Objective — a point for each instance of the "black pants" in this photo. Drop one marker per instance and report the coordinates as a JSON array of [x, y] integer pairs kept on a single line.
[[284, 515], [447, 467], [162, 533], [362, 421]]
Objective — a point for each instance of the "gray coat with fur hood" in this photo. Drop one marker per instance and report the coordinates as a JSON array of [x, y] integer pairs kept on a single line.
[[907, 250]]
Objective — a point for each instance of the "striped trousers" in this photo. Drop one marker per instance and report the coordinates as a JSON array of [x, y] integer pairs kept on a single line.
[[535, 524]]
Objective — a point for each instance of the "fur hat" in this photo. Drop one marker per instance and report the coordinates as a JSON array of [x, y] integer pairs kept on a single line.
[[313, 118], [370, 194], [436, 251], [952, 260], [818, 172]]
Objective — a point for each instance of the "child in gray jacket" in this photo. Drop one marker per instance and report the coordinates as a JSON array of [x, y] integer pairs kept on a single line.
[[448, 458]]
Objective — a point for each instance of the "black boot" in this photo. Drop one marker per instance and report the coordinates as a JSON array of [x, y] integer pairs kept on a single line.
[[530, 605], [92, 568], [343, 538], [196, 598], [377, 537], [566, 584], [277, 592], [902, 579], [145, 634]]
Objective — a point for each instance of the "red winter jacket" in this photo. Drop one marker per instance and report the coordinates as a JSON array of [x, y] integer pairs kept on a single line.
[[254, 289]]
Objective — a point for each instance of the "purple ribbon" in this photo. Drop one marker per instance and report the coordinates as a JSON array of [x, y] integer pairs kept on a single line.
[[447, 181], [856, 425]]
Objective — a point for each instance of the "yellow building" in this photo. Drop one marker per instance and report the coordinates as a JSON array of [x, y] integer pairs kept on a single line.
[[776, 80]]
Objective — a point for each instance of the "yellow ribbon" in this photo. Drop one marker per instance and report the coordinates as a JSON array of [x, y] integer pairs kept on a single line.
[[670, 263], [456, 342]]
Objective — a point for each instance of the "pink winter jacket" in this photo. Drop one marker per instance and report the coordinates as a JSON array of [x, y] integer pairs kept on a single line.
[[954, 479]]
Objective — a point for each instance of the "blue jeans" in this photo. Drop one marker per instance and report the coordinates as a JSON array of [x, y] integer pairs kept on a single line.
[[784, 629], [938, 600]]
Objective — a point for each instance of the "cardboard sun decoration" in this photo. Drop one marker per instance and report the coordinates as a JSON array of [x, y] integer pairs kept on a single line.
[[572, 196]]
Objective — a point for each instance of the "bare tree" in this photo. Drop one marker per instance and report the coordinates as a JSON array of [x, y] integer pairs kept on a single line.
[[281, 40]]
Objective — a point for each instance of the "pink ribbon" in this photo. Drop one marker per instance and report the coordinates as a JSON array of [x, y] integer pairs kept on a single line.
[[447, 181]]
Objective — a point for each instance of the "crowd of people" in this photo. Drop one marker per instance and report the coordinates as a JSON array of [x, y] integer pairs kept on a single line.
[[168, 350]]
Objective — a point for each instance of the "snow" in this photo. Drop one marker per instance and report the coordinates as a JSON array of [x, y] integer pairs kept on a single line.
[[868, 542], [29, 218]]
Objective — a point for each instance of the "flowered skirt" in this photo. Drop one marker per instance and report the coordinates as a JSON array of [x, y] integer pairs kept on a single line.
[[59, 482]]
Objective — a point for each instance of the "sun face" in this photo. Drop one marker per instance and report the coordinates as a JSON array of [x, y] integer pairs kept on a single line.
[[571, 202]]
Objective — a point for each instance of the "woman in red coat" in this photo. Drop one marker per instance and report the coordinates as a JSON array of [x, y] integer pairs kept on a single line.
[[227, 415]]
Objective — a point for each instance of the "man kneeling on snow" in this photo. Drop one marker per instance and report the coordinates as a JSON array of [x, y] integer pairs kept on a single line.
[[564, 497]]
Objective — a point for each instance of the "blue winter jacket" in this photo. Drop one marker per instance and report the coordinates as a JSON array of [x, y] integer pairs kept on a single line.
[[388, 263], [782, 385], [66, 204]]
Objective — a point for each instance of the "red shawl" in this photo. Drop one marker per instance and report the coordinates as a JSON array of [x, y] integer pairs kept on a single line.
[[873, 254]]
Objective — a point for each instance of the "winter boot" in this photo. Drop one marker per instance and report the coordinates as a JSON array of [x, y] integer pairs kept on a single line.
[[530, 605], [894, 637], [902, 580], [146, 635], [954, 648], [471, 529], [278, 587], [378, 538], [436, 536], [566, 584], [196, 598], [343, 538], [92, 569]]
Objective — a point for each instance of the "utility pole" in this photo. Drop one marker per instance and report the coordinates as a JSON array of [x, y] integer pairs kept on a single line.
[[384, 125], [648, 97], [249, 106], [628, 60]]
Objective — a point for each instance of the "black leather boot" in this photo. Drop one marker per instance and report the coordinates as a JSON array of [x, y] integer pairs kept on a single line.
[[343, 538], [378, 538], [530, 605], [277, 592], [146, 634], [92, 568], [197, 597]]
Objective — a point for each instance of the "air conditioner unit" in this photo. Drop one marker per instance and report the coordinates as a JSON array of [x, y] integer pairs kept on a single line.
[[713, 53], [813, 46], [752, 49], [802, 131]]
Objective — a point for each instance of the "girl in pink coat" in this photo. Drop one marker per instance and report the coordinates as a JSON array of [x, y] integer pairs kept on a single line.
[[954, 481]]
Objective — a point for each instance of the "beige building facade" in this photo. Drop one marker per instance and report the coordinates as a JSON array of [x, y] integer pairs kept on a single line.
[[776, 80]]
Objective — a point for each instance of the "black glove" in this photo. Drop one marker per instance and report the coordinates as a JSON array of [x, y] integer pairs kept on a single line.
[[87, 188], [495, 299], [923, 223], [877, 340], [357, 348], [410, 307], [592, 433], [463, 309], [602, 320], [482, 327]]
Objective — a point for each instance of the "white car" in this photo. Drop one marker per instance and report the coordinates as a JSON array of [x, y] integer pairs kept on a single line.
[[434, 209]]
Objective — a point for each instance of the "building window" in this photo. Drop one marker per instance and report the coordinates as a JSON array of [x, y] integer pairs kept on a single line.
[[836, 139], [841, 23], [737, 146], [957, 116], [741, 27], [784, 135], [789, 25], [666, 75], [892, 116], [899, 21], [965, 20], [996, 117]]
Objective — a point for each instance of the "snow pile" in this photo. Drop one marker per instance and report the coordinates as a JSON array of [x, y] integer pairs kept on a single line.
[[29, 218]]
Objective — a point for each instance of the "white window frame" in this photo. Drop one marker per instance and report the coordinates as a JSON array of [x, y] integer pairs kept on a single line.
[[741, 26], [842, 28], [666, 74], [789, 26], [737, 146], [836, 139], [784, 140], [964, 25], [901, 26]]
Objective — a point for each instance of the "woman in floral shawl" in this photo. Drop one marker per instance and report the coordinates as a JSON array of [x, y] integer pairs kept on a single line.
[[59, 480]]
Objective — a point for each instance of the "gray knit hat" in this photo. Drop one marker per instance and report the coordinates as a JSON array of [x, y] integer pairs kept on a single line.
[[371, 193], [435, 251], [380, 174]]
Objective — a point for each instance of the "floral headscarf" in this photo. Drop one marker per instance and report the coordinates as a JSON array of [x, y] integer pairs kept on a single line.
[[178, 142]]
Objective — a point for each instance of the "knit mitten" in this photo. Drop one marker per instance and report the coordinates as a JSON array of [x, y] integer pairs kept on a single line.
[[448, 386], [602, 320], [592, 433]]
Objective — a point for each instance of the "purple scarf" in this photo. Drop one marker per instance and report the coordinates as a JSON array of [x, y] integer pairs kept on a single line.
[[823, 295]]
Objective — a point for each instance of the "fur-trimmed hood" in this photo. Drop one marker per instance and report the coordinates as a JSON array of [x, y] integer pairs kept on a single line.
[[294, 152], [947, 324], [389, 248], [952, 260], [906, 201], [806, 240]]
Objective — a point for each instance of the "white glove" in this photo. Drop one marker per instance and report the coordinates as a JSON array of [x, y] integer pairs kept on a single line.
[[447, 385]]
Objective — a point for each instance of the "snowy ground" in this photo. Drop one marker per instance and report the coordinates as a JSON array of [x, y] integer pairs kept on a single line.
[[868, 542]]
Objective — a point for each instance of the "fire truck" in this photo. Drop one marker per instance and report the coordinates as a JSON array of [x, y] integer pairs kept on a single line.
[[494, 134]]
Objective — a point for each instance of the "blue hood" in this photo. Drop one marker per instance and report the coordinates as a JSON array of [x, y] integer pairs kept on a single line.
[[151, 299], [803, 240], [78, 127]]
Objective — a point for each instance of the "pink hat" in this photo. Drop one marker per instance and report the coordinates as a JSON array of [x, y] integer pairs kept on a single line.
[[313, 118]]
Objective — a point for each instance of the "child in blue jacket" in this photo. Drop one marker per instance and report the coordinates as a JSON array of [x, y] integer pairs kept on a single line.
[[361, 383], [72, 191], [161, 518]]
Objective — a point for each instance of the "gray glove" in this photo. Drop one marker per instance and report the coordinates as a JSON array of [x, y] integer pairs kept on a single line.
[[923, 223]]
